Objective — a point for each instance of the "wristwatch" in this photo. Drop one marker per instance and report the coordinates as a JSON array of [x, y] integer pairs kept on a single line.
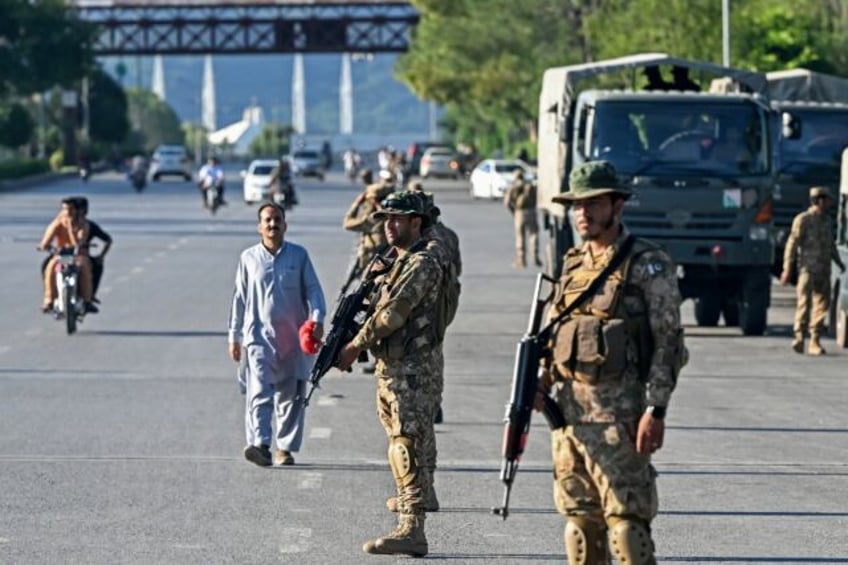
[[657, 412]]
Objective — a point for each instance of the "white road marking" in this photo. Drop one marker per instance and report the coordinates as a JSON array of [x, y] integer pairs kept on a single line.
[[4, 540], [327, 401], [296, 540], [174, 246], [183, 240], [105, 290], [311, 481], [32, 332], [160, 253], [122, 279], [137, 270], [148, 259], [320, 433], [5, 349]]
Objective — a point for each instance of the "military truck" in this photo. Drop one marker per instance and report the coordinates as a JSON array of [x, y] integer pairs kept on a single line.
[[813, 112], [700, 165], [839, 304]]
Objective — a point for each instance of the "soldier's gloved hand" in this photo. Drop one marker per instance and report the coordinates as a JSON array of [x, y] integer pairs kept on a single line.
[[308, 342], [545, 384], [650, 434], [347, 356]]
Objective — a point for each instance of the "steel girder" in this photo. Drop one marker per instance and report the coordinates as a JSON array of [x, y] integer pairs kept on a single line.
[[253, 27]]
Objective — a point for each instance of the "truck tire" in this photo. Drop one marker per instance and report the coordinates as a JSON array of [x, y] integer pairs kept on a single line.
[[753, 311], [833, 313], [708, 310], [730, 311]]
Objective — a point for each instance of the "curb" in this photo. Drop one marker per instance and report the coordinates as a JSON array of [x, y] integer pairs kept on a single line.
[[34, 180]]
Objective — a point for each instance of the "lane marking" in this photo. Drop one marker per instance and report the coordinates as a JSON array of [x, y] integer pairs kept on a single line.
[[183, 240], [32, 332], [160, 253], [137, 270], [296, 540], [311, 481], [122, 279], [105, 290], [327, 401], [174, 246], [5, 349], [320, 433], [148, 259]]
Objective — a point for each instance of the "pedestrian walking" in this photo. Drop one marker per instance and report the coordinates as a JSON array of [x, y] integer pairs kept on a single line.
[[520, 200], [277, 293]]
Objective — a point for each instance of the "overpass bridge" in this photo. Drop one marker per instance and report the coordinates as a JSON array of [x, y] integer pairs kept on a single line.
[[193, 27]]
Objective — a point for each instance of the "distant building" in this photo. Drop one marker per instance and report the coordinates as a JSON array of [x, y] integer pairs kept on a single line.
[[236, 137]]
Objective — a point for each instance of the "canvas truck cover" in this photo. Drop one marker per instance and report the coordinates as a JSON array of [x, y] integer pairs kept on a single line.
[[560, 89], [798, 85]]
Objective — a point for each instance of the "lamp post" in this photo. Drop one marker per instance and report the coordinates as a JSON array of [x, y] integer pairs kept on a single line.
[[725, 32]]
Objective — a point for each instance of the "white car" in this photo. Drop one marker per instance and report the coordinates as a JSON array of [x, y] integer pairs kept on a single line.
[[170, 160], [257, 180], [492, 177]]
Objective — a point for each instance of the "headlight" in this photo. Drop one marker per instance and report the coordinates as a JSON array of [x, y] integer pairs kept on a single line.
[[758, 233]]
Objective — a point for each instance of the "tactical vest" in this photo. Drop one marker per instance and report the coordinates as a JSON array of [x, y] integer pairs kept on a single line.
[[609, 332]]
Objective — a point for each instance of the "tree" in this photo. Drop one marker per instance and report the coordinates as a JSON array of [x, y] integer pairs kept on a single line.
[[42, 43], [107, 108], [153, 121], [16, 125], [272, 141]]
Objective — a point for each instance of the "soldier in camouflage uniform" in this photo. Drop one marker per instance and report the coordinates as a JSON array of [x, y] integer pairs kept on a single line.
[[359, 218], [810, 248], [613, 365], [520, 200], [400, 333]]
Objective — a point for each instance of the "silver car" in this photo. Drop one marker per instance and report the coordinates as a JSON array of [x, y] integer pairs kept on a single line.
[[439, 162], [170, 160], [307, 163]]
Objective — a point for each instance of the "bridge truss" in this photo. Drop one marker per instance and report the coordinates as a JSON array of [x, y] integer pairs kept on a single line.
[[168, 27]]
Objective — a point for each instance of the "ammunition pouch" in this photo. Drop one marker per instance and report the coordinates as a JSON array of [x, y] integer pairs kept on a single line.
[[591, 350]]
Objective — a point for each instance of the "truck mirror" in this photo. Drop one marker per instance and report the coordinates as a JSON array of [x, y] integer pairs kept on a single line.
[[791, 126]]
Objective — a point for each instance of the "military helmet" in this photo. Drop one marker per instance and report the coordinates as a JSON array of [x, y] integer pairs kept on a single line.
[[819, 192], [591, 179], [405, 203], [430, 207]]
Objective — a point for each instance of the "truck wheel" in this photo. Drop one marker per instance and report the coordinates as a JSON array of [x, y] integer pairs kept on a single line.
[[730, 311], [842, 328], [707, 310], [753, 311]]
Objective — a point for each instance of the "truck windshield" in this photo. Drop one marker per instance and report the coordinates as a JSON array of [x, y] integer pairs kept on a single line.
[[679, 137], [824, 134]]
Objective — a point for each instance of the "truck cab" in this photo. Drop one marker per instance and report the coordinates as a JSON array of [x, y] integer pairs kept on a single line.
[[701, 167]]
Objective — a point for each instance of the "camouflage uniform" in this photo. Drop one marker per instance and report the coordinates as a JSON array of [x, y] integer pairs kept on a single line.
[[400, 334], [615, 355], [811, 248], [520, 199], [359, 219]]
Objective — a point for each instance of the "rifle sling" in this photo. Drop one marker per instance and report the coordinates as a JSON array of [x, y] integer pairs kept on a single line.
[[614, 263]]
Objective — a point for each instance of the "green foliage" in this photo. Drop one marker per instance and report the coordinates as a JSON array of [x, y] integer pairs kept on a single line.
[[19, 168], [42, 44], [108, 108], [16, 125], [57, 160], [272, 141], [153, 121], [195, 138]]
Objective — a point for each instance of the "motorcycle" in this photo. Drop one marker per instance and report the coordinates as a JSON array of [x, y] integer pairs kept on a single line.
[[286, 197], [84, 173], [68, 305], [212, 192], [138, 178]]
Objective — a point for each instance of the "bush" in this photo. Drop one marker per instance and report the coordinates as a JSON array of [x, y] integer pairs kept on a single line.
[[57, 160], [18, 168]]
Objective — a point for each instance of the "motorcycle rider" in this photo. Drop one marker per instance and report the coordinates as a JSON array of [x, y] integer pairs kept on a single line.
[[138, 171], [66, 231], [94, 232], [283, 183], [211, 176]]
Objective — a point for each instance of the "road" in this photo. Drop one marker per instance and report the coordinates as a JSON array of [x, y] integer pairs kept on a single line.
[[123, 443]]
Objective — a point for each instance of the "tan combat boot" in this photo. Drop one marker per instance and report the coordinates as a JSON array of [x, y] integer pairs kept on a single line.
[[798, 342], [431, 502], [407, 539], [815, 347]]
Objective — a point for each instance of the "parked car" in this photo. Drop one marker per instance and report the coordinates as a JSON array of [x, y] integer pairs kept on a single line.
[[492, 177], [170, 160], [257, 180], [439, 161], [307, 162]]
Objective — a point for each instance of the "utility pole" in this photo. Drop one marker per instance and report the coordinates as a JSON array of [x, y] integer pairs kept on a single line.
[[725, 32]]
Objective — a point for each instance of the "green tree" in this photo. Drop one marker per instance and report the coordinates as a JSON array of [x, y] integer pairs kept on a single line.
[[153, 121], [272, 141], [108, 109], [42, 43], [16, 125]]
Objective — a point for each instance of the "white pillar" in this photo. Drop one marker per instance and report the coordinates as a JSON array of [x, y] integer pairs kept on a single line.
[[346, 98], [158, 81], [207, 96], [298, 96], [434, 121]]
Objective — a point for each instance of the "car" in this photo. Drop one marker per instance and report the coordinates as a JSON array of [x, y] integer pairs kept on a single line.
[[439, 161], [170, 160], [414, 153], [257, 180], [492, 177], [307, 162]]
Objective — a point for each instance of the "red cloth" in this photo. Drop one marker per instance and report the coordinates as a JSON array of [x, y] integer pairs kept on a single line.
[[308, 344]]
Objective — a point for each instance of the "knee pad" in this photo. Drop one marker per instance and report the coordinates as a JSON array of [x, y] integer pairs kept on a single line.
[[631, 542], [402, 459], [585, 541]]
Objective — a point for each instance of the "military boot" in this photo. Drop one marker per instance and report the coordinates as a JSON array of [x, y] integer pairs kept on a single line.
[[798, 342], [407, 539], [815, 347], [431, 502]]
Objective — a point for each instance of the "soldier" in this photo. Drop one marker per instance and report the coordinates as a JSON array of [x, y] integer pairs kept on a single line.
[[613, 365], [810, 248], [400, 333], [359, 218], [520, 200]]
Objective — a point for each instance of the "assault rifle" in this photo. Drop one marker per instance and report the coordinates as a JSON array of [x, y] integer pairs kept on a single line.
[[525, 384], [525, 379], [353, 273], [351, 310]]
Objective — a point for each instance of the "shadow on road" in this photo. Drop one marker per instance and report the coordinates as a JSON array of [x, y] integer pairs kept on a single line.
[[154, 333]]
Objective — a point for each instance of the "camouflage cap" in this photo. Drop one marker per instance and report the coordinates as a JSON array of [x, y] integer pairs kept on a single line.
[[591, 179], [405, 203], [820, 191]]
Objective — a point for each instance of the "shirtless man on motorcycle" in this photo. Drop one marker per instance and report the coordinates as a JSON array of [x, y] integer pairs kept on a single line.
[[211, 177]]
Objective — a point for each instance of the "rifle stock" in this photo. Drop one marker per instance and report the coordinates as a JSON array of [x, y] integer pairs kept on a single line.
[[525, 384]]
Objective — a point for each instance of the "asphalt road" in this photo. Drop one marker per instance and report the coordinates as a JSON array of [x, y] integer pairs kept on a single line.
[[123, 443]]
